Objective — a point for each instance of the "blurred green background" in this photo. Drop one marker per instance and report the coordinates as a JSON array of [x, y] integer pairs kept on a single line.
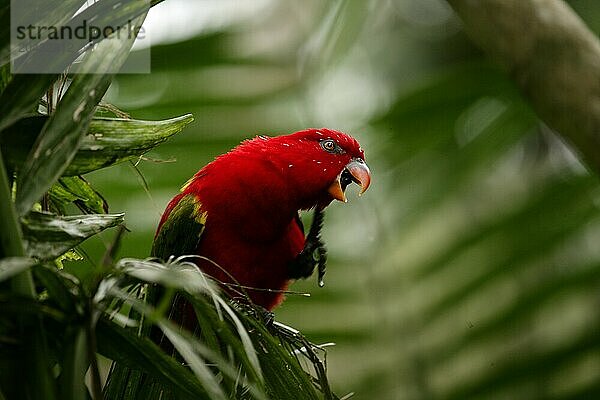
[[470, 269]]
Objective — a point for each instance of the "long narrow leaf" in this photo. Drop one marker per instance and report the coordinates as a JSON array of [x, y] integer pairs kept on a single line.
[[244, 336], [74, 366], [4, 31], [60, 138], [23, 93], [190, 349], [121, 345], [16, 306], [108, 141], [177, 275], [47, 236], [194, 351], [12, 266], [284, 377], [111, 140], [62, 288], [196, 363], [281, 373], [32, 12], [75, 189], [5, 77]]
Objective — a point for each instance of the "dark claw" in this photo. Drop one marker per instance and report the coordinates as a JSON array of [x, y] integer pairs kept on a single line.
[[314, 253], [304, 264], [322, 265]]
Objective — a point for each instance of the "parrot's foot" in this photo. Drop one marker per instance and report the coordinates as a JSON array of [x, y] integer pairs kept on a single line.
[[314, 254]]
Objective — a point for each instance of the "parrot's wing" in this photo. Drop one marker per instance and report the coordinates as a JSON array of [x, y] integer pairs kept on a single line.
[[180, 232]]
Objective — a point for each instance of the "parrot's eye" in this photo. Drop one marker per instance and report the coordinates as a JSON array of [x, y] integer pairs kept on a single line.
[[330, 146]]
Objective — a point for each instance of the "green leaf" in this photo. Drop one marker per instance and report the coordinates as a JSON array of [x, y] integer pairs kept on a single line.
[[5, 76], [77, 190], [176, 275], [213, 310], [194, 360], [62, 134], [262, 357], [192, 350], [62, 288], [525, 366], [47, 13], [17, 306], [247, 344], [108, 141], [120, 344], [340, 26], [24, 91], [74, 364], [218, 332], [283, 375], [47, 236], [111, 140], [4, 30], [11, 266]]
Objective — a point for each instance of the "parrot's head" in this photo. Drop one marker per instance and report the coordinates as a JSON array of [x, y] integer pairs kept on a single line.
[[302, 170], [319, 164]]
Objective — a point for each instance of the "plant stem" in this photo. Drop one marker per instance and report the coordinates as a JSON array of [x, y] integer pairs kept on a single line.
[[92, 348], [551, 55], [11, 238], [37, 381]]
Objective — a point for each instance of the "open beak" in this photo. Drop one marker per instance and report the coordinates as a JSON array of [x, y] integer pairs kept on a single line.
[[355, 171]]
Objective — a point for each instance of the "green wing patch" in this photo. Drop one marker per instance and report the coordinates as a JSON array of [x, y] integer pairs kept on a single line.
[[181, 232]]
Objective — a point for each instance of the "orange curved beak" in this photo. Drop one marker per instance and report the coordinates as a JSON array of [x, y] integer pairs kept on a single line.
[[355, 171]]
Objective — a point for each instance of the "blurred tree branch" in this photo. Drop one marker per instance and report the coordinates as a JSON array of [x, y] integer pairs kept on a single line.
[[551, 55]]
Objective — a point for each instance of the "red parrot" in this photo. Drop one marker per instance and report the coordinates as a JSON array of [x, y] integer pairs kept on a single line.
[[241, 211]]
